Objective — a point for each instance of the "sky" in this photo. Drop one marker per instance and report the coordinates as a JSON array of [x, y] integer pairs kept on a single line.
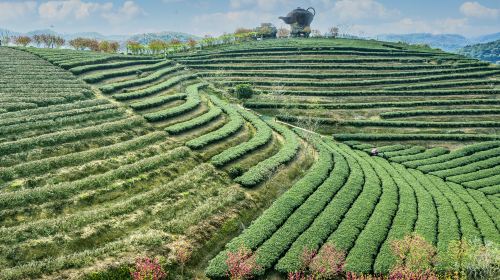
[[214, 17]]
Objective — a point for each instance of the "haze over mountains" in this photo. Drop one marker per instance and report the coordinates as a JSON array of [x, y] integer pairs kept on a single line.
[[446, 42], [143, 38]]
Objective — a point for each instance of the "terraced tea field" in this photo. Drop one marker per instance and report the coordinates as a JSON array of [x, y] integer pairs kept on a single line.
[[363, 90], [104, 158]]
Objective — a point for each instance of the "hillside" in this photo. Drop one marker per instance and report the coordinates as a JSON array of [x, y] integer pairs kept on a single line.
[[486, 51], [104, 157], [447, 42]]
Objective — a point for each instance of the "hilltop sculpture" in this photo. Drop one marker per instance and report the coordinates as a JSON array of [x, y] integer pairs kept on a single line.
[[300, 21]]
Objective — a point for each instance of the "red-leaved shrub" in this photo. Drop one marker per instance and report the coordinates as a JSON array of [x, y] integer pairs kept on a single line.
[[241, 264], [147, 269]]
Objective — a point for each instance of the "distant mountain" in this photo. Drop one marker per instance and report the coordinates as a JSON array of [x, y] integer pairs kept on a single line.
[[143, 38], [487, 38], [447, 42], [487, 51], [165, 36]]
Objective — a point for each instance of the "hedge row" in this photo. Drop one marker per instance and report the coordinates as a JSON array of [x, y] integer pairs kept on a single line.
[[403, 221], [366, 248], [181, 127], [388, 93], [298, 52], [308, 60], [430, 164], [466, 167], [263, 169], [68, 189], [362, 123], [410, 150], [462, 157], [429, 153], [488, 182], [141, 81], [271, 219], [46, 126], [363, 105], [58, 113], [97, 77], [481, 174], [262, 136], [351, 176], [113, 65], [45, 165], [154, 89], [301, 219], [56, 138], [192, 101], [484, 221], [345, 75], [235, 123], [448, 224], [453, 84], [292, 66], [86, 61], [356, 218], [450, 112], [157, 101], [422, 136], [34, 114], [492, 211], [367, 82], [468, 227]]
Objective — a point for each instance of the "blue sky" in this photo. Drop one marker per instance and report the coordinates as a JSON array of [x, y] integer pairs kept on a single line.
[[201, 17]]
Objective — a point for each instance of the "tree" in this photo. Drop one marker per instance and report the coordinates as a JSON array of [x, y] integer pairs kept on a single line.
[[37, 38], [315, 33], [104, 46], [114, 46], [333, 32], [58, 41], [192, 43], [244, 91], [5, 37], [134, 47], [283, 33], [22, 40], [77, 43], [157, 46]]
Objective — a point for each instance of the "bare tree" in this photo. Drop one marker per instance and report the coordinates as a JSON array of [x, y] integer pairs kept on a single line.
[[5, 37], [333, 32], [22, 40], [283, 32]]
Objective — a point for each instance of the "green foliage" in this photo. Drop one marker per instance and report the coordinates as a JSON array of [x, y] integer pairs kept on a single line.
[[244, 91], [263, 135], [489, 51], [154, 89]]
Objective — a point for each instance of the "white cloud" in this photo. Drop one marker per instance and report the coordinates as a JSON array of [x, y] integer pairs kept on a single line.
[[474, 9], [14, 10], [128, 11], [217, 23], [361, 9], [61, 10], [266, 5]]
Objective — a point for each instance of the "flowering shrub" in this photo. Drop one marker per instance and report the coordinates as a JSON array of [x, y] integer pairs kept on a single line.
[[413, 253], [241, 264], [329, 263], [147, 269]]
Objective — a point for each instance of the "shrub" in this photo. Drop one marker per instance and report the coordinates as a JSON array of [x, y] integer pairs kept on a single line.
[[244, 91], [413, 252], [329, 263], [147, 269], [235, 171], [241, 264], [473, 260]]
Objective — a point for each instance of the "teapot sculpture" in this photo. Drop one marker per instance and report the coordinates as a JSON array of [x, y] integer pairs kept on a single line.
[[300, 20]]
